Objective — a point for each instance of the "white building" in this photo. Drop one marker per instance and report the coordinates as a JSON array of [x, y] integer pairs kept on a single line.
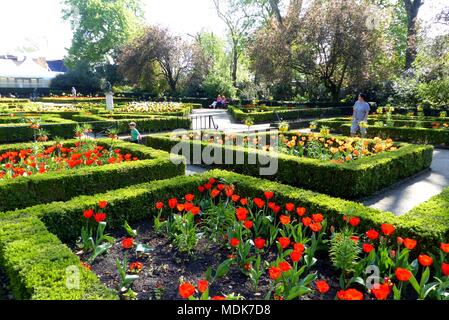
[[26, 72]]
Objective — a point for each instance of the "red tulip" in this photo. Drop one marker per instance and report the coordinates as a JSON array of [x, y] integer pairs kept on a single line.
[[387, 229], [409, 243], [248, 224], [403, 274], [284, 220], [172, 203], [102, 204], [186, 290], [242, 214], [88, 213], [306, 221], [425, 260], [234, 242], [322, 286], [350, 294], [316, 227], [259, 243], [159, 205], [367, 248], [445, 247], [100, 217], [274, 272], [215, 193], [299, 247], [284, 242], [295, 256], [284, 266], [445, 269], [301, 211], [203, 285], [372, 234], [381, 291], [127, 243], [268, 195], [259, 203], [355, 221], [290, 207]]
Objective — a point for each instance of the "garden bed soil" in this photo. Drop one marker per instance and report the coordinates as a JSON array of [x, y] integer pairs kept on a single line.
[[4, 287], [165, 266]]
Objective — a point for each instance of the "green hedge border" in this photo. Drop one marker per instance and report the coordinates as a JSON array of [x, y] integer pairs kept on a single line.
[[35, 260], [22, 132], [437, 137], [350, 180], [285, 114], [59, 186]]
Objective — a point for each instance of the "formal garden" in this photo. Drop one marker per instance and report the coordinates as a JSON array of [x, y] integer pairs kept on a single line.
[[302, 155]]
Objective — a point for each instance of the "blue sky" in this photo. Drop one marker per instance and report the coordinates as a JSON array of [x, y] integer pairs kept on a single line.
[[36, 25]]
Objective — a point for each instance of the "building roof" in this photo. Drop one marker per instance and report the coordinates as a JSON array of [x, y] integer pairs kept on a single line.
[[28, 68], [57, 65]]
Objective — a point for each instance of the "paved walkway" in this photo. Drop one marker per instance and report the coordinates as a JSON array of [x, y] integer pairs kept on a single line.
[[406, 195], [225, 122]]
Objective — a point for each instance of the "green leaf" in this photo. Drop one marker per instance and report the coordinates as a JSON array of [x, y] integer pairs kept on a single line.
[[132, 233], [415, 284], [99, 250], [396, 293], [424, 277], [143, 249]]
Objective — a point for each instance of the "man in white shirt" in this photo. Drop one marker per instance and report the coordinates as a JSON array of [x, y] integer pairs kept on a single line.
[[361, 112]]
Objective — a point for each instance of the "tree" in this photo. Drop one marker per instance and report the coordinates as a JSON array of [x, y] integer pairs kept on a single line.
[[167, 55], [81, 77], [99, 27], [239, 17], [271, 45], [412, 8], [334, 44], [209, 75]]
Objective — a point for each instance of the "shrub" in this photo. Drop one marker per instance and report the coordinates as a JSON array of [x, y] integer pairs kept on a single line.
[[59, 186], [350, 180], [65, 129], [286, 114], [406, 134], [36, 263], [35, 260]]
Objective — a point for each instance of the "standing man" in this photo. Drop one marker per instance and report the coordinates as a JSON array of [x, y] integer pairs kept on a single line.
[[361, 112], [73, 92]]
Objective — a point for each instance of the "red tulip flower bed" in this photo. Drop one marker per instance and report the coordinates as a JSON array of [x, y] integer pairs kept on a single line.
[[39, 160], [216, 244]]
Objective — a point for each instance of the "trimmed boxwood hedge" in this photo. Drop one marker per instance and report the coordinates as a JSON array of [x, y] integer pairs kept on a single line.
[[438, 137], [285, 114], [36, 263], [65, 129], [35, 260], [350, 180], [59, 186]]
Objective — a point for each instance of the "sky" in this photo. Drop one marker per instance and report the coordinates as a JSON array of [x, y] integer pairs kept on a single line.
[[36, 25]]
